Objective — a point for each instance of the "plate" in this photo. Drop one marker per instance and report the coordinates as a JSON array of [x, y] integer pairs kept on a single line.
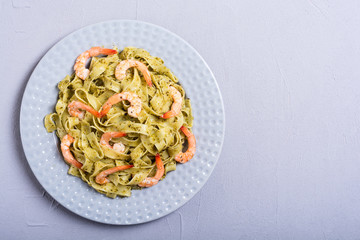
[[42, 148]]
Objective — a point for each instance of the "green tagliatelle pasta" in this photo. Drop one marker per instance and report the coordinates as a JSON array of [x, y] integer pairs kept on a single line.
[[146, 136]]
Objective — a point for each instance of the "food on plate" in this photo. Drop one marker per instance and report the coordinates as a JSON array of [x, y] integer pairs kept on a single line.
[[122, 122]]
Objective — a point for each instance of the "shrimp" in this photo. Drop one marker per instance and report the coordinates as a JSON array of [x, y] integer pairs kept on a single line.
[[151, 181], [183, 157], [134, 100], [75, 106], [101, 178], [66, 141], [120, 71], [79, 66], [176, 106], [106, 137]]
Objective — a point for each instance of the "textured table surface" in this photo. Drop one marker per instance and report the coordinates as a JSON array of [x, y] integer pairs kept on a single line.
[[289, 75]]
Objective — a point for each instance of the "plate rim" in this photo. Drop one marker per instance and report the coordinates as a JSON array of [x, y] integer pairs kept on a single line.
[[21, 127]]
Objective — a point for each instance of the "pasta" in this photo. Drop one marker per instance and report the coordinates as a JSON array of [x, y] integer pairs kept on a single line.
[[146, 135]]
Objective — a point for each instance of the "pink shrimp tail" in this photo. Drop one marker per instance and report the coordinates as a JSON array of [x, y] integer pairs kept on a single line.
[[185, 131], [169, 114], [118, 134], [147, 78], [107, 51]]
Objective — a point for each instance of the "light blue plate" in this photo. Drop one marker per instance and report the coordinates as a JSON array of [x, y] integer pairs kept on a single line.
[[42, 150]]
